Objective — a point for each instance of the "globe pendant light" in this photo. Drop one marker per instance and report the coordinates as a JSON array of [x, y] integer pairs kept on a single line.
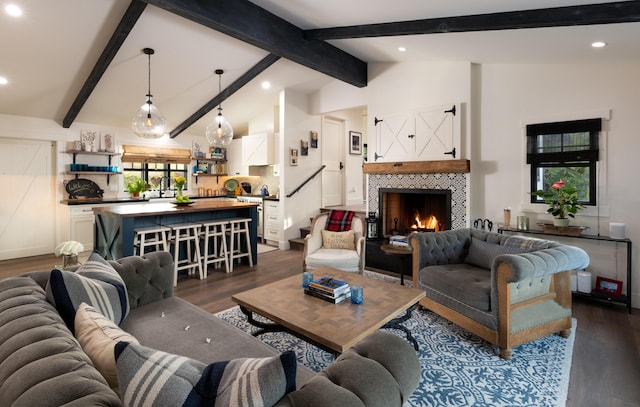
[[148, 122], [219, 132]]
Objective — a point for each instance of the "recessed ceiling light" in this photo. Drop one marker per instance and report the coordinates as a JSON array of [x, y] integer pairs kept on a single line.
[[3, 80], [598, 44], [13, 10], [266, 85], [402, 49]]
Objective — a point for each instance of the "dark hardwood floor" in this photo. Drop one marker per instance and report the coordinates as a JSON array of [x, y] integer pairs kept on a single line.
[[606, 356]]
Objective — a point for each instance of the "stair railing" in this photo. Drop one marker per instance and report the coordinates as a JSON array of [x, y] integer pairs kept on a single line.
[[305, 181]]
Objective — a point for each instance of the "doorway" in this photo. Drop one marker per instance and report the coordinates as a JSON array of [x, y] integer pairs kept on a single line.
[[27, 211], [333, 157]]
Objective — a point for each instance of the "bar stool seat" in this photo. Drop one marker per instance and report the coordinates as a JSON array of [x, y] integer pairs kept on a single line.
[[152, 236], [239, 227], [189, 235], [214, 239]]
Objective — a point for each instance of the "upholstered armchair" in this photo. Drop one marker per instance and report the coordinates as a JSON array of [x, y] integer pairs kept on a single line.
[[508, 290], [343, 250]]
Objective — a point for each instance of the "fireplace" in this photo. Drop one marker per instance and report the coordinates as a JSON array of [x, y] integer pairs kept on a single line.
[[406, 210]]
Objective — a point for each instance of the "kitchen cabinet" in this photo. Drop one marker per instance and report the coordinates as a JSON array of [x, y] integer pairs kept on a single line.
[[258, 149], [235, 163], [85, 169], [273, 224], [418, 135], [81, 223]]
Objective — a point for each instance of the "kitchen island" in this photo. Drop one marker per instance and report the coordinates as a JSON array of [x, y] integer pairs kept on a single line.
[[115, 224]]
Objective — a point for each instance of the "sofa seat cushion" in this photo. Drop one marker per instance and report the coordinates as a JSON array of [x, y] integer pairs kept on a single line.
[[96, 283], [151, 377], [173, 325], [347, 260], [41, 363], [466, 283]]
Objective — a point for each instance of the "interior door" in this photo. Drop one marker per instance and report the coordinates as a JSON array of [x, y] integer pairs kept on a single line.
[[332, 144], [27, 209]]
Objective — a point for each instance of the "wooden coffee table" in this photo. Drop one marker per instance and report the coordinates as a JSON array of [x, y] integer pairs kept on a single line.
[[333, 327]]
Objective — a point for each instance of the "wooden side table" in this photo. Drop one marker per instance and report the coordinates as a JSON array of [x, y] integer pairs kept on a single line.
[[404, 252]]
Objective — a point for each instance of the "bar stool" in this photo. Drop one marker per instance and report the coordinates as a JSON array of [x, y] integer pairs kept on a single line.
[[187, 233], [152, 236], [215, 244], [239, 227]]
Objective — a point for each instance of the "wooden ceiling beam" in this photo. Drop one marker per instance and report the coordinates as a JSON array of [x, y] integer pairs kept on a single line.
[[128, 20], [603, 13], [247, 22], [256, 70]]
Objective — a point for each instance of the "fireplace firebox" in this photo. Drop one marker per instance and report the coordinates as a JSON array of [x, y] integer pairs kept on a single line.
[[406, 210]]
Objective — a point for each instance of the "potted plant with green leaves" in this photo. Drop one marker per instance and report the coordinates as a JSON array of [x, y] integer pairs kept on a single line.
[[562, 200], [136, 185]]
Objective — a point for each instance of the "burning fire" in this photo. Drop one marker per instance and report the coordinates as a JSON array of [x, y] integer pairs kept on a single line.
[[430, 223]]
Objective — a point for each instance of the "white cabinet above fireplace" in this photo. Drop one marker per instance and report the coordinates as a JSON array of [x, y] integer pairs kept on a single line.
[[423, 134]]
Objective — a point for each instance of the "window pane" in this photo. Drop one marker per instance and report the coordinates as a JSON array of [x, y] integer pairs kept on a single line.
[[578, 177]]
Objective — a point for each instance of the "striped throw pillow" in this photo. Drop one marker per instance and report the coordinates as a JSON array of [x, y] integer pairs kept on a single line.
[[150, 377], [96, 283]]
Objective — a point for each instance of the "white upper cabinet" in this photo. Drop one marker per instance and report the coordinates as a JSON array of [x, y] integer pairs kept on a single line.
[[419, 135], [258, 149], [235, 163]]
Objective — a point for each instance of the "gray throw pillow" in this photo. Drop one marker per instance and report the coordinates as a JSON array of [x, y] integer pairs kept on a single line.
[[481, 253]]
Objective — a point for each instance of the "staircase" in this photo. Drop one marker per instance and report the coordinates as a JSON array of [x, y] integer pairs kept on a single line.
[[298, 242]]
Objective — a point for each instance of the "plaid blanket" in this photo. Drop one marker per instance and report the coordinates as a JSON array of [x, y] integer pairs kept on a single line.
[[339, 221]]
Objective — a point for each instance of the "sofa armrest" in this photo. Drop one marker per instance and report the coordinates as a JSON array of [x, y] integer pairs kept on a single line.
[[148, 278], [541, 263], [381, 370]]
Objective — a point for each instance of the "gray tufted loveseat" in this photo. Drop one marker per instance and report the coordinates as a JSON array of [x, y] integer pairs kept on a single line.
[[508, 290], [42, 364]]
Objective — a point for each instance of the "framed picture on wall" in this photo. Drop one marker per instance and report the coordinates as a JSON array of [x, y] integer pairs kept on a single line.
[[293, 156], [314, 139], [355, 142], [304, 147]]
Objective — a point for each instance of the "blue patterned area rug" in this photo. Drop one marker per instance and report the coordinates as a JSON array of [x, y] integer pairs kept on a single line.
[[458, 368]]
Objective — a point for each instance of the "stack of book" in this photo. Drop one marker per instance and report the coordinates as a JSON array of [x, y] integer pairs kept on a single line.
[[399, 240], [329, 289]]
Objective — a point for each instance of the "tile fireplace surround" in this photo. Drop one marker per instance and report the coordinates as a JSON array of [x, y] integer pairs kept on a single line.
[[454, 181]]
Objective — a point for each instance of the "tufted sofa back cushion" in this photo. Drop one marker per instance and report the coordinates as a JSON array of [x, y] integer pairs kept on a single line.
[[148, 278], [449, 247]]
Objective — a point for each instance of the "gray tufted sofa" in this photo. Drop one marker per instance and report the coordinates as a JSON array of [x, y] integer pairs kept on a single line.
[[42, 364], [508, 290]]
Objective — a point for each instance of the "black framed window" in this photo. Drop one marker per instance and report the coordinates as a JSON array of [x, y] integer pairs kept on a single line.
[[565, 151], [158, 175]]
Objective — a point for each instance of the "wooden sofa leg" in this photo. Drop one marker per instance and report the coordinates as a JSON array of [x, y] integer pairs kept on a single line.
[[505, 353], [565, 333]]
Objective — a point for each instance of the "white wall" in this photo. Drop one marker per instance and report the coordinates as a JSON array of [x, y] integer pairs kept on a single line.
[[498, 101]]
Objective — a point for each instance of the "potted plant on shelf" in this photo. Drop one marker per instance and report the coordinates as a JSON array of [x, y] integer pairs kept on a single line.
[[136, 185], [562, 200]]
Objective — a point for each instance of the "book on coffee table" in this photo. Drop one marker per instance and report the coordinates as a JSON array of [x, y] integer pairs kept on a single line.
[[329, 298], [330, 285]]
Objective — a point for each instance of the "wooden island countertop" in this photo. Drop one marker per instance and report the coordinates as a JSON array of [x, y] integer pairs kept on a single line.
[[167, 208]]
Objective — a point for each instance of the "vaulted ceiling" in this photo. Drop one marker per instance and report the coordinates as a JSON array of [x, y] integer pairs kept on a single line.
[[81, 61]]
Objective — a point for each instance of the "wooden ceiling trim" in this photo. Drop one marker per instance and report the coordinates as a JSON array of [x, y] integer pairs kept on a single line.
[[226, 92], [247, 22], [128, 21], [418, 167], [604, 13]]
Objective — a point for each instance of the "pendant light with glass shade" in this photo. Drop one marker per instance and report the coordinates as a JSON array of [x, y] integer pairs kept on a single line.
[[148, 122], [219, 132]]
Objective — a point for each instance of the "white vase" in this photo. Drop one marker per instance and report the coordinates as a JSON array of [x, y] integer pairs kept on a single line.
[[560, 222]]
